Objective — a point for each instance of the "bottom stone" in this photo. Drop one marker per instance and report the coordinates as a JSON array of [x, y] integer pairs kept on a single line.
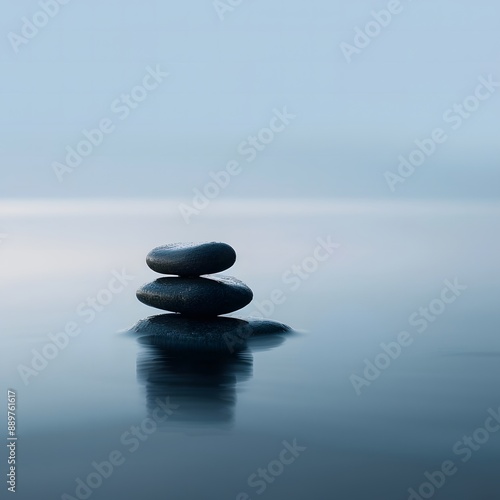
[[222, 334]]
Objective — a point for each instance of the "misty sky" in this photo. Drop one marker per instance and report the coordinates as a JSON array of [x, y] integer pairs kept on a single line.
[[227, 80]]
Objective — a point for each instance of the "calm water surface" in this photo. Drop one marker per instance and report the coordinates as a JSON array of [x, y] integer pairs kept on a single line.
[[229, 417]]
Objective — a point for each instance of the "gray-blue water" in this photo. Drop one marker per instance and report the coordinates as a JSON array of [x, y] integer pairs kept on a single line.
[[282, 420]]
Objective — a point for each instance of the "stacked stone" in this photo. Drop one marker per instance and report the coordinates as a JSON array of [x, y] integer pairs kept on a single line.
[[190, 291]]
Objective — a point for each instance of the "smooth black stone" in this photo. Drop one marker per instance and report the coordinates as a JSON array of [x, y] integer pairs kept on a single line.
[[196, 296], [257, 334], [181, 332], [258, 326], [223, 335], [191, 259]]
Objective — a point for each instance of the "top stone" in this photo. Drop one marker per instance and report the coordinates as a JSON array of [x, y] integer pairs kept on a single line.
[[191, 259]]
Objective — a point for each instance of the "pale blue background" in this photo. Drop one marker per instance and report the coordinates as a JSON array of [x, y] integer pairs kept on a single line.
[[353, 121]]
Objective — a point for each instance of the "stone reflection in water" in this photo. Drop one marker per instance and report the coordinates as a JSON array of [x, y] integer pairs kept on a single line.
[[198, 365]]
